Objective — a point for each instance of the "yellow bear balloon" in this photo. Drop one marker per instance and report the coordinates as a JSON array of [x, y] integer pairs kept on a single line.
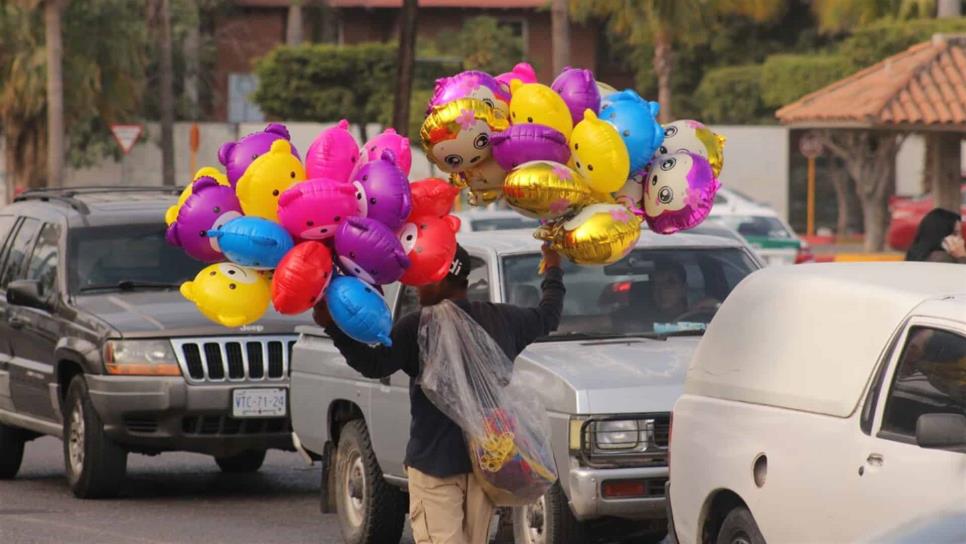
[[599, 234], [546, 190], [266, 178], [484, 181], [229, 294], [172, 214], [537, 103], [599, 154]]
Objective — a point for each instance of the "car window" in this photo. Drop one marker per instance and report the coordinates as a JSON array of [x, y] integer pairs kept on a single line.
[[930, 379], [23, 241], [504, 223], [6, 227], [44, 260], [757, 226]]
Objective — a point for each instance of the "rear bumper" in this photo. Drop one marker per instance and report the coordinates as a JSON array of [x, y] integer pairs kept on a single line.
[[166, 414], [587, 500]]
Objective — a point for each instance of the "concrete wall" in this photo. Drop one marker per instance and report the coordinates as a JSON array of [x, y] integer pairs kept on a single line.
[[756, 163]]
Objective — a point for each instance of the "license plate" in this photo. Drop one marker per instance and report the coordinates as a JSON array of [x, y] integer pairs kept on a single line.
[[262, 402]]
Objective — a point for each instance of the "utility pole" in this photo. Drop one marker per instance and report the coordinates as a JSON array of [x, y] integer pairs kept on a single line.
[[406, 66], [53, 9], [559, 35], [293, 26], [167, 96]]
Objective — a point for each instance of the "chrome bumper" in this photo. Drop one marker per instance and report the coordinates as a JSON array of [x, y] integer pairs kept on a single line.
[[587, 501]]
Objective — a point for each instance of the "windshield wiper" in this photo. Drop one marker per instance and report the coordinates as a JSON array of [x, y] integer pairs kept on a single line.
[[130, 285], [579, 335], [683, 332]]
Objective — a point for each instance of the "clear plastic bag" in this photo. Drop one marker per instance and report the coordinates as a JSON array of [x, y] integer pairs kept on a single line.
[[469, 378]]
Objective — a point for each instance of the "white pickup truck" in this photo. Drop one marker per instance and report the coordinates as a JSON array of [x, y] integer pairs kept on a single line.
[[608, 379]]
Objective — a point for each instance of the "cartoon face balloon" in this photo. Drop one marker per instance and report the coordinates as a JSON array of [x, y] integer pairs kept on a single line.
[[579, 91], [252, 241], [229, 294], [522, 71], [209, 206], [471, 84], [433, 197], [237, 156], [382, 192], [370, 251], [694, 137], [598, 153], [267, 178], [313, 209], [529, 142], [598, 234], [430, 243], [636, 121], [456, 135], [333, 154], [546, 190], [678, 192], [387, 141], [359, 311], [537, 103], [301, 277], [206, 171], [631, 193], [485, 182]]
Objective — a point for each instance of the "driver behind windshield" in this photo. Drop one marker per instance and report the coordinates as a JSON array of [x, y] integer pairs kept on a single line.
[[661, 299]]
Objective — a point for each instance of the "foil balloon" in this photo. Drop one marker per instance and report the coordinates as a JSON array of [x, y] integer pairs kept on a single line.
[[387, 141], [456, 135], [252, 241], [430, 243], [471, 84], [537, 103], [359, 311], [237, 156], [636, 121], [579, 91], [370, 251], [694, 137], [382, 192], [206, 171], [631, 193], [301, 277], [229, 294], [333, 154], [598, 154], [313, 209], [678, 192], [485, 182], [267, 178], [598, 234], [522, 71], [432, 197], [529, 142], [209, 206], [546, 190]]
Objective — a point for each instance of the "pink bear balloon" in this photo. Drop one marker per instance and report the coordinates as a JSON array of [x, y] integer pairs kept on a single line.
[[333, 154], [314, 209], [389, 140], [522, 71]]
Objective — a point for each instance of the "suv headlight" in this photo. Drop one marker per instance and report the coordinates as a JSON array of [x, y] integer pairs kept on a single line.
[[140, 358], [613, 436]]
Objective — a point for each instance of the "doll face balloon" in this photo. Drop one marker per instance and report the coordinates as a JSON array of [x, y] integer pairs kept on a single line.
[[546, 190], [678, 192], [387, 141], [485, 182], [206, 171], [253, 242], [529, 142], [579, 91], [471, 84], [301, 277], [229, 294], [237, 156], [370, 251], [313, 209], [432, 197], [333, 154], [456, 135], [598, 154], [359, 311], [636, 122], [382, 192], [631, 193], [430, 243], [209, 206], [267, 178], [598, 234], [694, 137], [537, 103]]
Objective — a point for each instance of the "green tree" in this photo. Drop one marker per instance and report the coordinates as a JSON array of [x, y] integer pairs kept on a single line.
[[842, 15], [483, 44], [732, 94], [786, 78]]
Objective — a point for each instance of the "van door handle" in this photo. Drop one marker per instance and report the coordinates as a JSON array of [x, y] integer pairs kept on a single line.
[[875, 459], [16, 323]]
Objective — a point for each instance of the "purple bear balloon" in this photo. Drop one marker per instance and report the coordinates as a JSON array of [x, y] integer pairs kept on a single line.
[[210, 206], [382, 192], [368, 250], [471, 84], [332, 154], [236, 156], [579, 91], [529, 142]]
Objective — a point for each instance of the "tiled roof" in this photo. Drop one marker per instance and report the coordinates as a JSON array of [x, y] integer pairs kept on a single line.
[[924, 85]]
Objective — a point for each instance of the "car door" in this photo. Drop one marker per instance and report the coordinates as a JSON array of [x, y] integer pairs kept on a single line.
[[37, 330], [14, 264], [7, 226]]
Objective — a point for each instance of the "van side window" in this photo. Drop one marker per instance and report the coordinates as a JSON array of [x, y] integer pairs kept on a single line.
[[19, 249], [43, 263], [6, 229], [478, 289], [928, 380]]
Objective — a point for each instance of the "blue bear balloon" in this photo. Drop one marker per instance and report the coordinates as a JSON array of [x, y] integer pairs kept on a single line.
[[358, 310], [636, 121], [252, 241]]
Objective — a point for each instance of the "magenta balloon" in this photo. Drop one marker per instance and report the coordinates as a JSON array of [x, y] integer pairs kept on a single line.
[[333, 154], [529, 142]]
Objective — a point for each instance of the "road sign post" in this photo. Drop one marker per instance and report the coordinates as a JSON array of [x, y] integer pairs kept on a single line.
[[126, 136], [810, 145]]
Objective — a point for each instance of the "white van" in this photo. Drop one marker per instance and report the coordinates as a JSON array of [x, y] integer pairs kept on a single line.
[[825, 403]]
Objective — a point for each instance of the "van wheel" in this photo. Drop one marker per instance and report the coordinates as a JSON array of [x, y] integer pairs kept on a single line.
[[739, 527], [95, 464], [246, 461], [547, 521], [370, 510], [11, 451]]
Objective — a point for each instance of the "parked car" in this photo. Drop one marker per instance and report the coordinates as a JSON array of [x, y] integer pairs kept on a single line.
[[907, 213], [727, 196], [764, 230], [842, 416], [480, 220], [608, 378], [99, 348]]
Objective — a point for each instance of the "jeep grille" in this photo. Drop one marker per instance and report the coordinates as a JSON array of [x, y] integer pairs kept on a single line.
[[234, 359]]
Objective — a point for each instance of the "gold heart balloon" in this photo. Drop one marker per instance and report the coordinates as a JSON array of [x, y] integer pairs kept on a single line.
[[599, 234], [546, 190]]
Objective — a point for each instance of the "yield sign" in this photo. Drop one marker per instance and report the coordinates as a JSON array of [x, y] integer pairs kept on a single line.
[[126, 136]]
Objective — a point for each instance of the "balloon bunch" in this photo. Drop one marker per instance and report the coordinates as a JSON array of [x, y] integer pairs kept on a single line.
[[587, 160]]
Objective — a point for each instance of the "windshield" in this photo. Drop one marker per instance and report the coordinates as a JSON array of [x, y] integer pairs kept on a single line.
[[757, 226], [504, 223], [648, 292], [108, 256]]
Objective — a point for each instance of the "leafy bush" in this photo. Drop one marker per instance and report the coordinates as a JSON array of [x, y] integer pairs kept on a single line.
[[786, 78], [872, 43], [732, 95]]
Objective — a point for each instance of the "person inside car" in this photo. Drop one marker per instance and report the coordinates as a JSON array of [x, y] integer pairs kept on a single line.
[[939, 239]]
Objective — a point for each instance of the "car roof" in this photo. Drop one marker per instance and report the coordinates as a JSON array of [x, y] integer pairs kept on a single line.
[[808, 337], [93, 206]]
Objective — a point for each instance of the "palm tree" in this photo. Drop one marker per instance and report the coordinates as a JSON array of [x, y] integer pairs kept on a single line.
[[841, 15], [53, 9]]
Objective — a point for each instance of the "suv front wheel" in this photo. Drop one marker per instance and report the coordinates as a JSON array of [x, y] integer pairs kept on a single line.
[[95, 464]]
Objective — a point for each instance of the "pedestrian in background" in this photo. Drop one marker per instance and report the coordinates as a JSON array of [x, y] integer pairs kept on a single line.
[[939, 239]]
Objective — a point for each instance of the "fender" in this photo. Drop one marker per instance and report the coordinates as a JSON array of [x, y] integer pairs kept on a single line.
[[85, 353]]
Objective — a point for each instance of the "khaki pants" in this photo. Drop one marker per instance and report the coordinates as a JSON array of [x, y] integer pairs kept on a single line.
[[452, 510]]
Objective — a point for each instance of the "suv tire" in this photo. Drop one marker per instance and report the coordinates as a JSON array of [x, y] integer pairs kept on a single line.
[[11, 451], [739, 527], [246, 461], [95, 465], [370, 510], [548, 521]]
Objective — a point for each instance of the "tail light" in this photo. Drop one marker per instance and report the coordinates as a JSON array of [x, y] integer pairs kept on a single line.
[[804, 254]]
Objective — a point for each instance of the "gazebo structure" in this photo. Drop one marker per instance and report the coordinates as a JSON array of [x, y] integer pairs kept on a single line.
[[864, 118]]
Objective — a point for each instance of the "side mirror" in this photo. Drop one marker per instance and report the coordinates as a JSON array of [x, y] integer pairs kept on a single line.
[[26, 293], [946, 431]]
